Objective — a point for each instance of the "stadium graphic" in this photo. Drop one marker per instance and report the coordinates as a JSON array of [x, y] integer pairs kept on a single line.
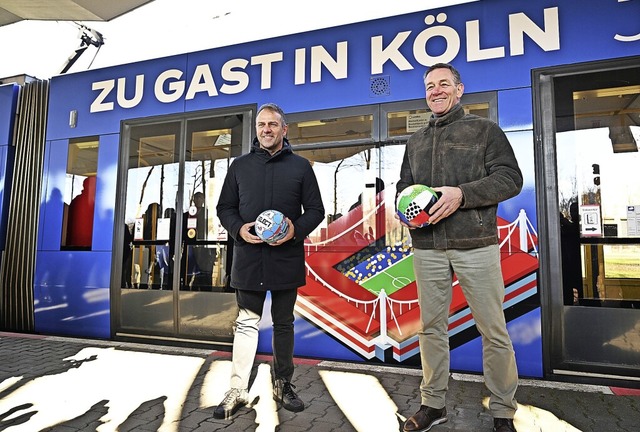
[[362, 291]]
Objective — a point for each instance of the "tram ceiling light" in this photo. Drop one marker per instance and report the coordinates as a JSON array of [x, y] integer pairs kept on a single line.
[[84, 145], [309, 123], [607, 92]]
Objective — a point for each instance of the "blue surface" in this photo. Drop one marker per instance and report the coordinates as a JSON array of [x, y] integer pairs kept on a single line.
[[515, 109], [71, 293], [53, 186], [105, 192], [525, 333]]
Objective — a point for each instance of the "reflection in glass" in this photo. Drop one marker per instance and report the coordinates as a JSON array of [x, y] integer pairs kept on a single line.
[[80, 194], [354, 183], [331, 130], [349, 181], [150, 215], [598, 129], [211, 143], [404, 123]]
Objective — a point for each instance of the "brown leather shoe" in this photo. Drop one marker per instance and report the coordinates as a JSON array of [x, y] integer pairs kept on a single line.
[[424, 419]]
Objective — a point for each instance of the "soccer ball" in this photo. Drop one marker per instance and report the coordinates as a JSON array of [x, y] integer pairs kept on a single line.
[[413, 204], [271, 226]]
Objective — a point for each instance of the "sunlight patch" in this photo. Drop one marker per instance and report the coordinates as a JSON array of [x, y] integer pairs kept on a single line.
[[532, 419], [121, 381], [356, 394]]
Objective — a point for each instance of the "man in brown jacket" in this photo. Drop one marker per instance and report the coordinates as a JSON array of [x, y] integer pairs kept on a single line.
[[469, 160]]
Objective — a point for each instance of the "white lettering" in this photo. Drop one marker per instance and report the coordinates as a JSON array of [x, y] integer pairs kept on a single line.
[[137, 95], [449, 34], [176, 87], [301, 66], [99, 104], [474, 52], [266, 60], [202, 81], [548, 39], [336, 67], [309, 63], [233, 71], [380, 55]]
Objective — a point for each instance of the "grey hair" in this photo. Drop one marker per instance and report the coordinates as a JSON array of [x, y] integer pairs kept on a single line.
[[456, 75], [275, 108]]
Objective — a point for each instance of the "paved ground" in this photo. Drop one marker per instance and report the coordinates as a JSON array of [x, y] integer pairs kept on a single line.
[[62, 384]]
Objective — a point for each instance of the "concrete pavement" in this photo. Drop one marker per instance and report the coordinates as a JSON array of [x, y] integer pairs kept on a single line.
[[63, 384]]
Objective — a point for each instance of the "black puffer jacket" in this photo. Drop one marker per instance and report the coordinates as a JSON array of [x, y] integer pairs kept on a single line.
[[470, 152], [256, 182]]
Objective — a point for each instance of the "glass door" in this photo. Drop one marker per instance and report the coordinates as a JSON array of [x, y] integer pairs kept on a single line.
[[176, 256], [595, 292], [148, 240], [207, 306]]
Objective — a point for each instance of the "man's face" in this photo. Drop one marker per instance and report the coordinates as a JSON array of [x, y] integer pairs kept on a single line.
[[270, 130], [442, 91]]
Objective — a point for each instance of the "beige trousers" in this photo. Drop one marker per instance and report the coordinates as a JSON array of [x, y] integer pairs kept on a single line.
[[479, 273]]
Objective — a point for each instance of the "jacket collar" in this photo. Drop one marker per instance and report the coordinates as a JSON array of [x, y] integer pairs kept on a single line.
[[456, 113], [286, 148]]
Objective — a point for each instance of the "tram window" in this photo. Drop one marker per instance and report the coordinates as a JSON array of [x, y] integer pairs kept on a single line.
[[79, 194], [598, 131], [404, 122], [398, 120], [150, 205], [349, 179], [331, 130]]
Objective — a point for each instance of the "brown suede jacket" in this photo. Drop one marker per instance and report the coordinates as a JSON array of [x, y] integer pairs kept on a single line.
[[470, 152]]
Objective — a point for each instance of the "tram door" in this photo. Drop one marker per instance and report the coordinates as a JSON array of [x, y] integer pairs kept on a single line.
[[594, 230], [175, 254]]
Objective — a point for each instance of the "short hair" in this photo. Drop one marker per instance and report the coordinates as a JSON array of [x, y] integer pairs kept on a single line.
[[275, 108], [454, 71]]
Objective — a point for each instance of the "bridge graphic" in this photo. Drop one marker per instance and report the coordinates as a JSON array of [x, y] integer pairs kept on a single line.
[[363, 292]]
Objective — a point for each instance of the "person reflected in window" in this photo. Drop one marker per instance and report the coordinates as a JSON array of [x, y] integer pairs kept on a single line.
[[165, 251], [80, 216], [200, 257], [201, 225], [150, 227], [571, 256], [127, 257]]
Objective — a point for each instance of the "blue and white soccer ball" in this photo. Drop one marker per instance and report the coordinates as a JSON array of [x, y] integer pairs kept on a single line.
[[271, 226]]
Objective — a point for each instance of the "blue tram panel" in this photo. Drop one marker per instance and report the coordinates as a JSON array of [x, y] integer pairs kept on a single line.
[[71, 291]]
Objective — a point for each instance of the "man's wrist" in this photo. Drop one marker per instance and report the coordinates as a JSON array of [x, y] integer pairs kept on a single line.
[[461, 199]]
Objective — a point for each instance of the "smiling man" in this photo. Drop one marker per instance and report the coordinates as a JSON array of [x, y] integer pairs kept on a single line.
[[269, 177], [469, 160]]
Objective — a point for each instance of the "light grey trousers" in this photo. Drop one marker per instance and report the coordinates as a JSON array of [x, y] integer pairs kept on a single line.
[[245, 342]]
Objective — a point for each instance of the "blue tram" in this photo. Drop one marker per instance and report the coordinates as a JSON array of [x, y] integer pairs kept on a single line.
[[129, 246]]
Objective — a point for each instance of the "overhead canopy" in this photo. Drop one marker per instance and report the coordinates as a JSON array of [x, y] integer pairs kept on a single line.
[[12, 11]]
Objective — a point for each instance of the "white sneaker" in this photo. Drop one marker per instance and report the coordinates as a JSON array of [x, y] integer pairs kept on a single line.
[[233, 400]]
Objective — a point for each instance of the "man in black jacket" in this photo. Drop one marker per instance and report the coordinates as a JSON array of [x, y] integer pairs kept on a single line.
[[468, 160], [270, 177]]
